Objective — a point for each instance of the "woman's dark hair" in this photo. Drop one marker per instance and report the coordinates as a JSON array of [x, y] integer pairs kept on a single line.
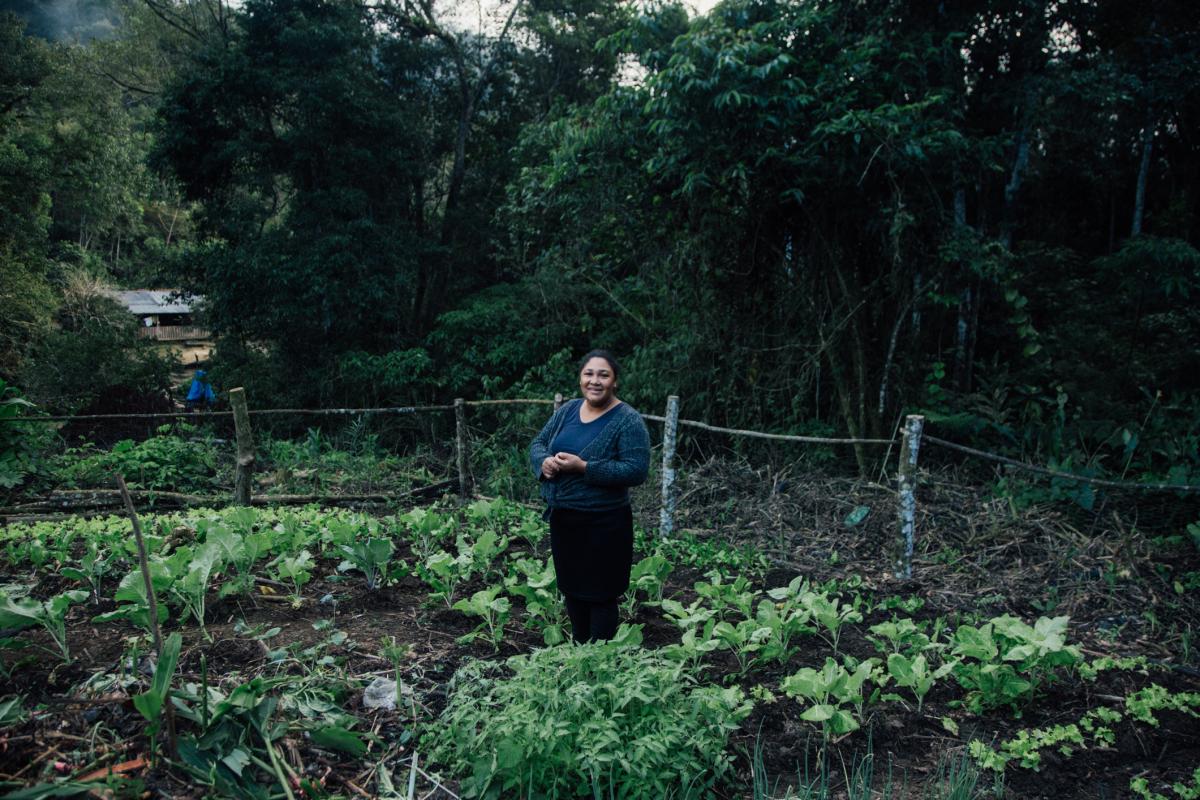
[[607, 356]]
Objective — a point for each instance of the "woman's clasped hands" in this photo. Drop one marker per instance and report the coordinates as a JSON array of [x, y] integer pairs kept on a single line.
[[561, 462]]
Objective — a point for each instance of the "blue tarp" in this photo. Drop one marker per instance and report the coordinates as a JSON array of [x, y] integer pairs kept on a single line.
[[201, 390]]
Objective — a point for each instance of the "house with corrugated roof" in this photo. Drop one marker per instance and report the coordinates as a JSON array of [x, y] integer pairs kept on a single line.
[[169, 316]]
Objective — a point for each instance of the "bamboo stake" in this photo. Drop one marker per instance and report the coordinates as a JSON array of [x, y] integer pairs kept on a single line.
[[151, 601], [460, 427], [666, 524], [910, 445], [245, 447]]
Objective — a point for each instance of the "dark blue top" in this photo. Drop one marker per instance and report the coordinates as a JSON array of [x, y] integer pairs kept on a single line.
[[577, 434], [617, 458]]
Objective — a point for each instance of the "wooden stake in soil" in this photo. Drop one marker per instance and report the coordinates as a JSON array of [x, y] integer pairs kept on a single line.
[[666, 524], [910, 445], [245, 447], [460, 426], [151, 601]]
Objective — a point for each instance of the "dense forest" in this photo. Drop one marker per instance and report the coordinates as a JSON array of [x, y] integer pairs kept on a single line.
[[805, 216]]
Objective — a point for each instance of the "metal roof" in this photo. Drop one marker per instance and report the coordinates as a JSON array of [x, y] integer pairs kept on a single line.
[[155, 301]]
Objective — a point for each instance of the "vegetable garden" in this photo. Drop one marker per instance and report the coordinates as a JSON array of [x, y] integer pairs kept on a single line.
[[328, 653]]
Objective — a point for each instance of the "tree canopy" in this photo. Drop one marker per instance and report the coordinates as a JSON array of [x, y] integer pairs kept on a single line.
[[797, 215]]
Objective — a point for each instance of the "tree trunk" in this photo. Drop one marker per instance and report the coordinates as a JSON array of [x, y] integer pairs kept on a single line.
[[1139, 197]]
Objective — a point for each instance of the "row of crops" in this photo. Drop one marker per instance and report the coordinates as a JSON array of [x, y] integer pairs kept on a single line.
[[714, 643]]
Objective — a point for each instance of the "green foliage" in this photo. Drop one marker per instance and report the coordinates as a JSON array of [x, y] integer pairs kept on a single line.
[[536, 585], [151, 703], [1142, 704], [1026, 747], [18, 613], [133, 602], [172, 460], [647, 576], [1006, 662], [294, 569], [20, 444], [192, 569], [488, 605], [443, 573], [833, 695], [1140, 786], [915, 675], [370, 557], [603, 717]]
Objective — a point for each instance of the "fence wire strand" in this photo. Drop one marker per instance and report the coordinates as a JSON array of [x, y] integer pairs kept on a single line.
[[1053, 473]]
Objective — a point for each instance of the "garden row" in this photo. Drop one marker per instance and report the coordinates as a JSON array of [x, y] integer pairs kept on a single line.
[[712, 645]]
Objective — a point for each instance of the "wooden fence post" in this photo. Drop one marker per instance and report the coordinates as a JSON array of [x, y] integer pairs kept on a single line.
[[244, 474], [558, 400], [666, 524], [910, 445], [460, 427]]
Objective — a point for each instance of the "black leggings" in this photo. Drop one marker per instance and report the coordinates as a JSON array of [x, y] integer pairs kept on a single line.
[[592, 621]]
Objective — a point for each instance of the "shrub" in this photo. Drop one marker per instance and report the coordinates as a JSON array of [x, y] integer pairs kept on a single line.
[[165, 462], [604, 718]]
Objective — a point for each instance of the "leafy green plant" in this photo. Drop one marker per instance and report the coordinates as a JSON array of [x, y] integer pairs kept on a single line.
[[697, 622], [744, 640], [296, 570], [242, 552], [833, 694], [443, 573], [914, 674], [1142, 704], [94, 565], [899, 635], [1006, 662], [483, 552], [133, 604], [648, 576], [192, 568], [151, 704], [1140, 786], [166, 461], [1026, 747], [785, 619], [727, 598], [568, 721], [428, 530], [370, 557], [51, 615], [493, 609], [20, 443], [535, 583], [830, 614]]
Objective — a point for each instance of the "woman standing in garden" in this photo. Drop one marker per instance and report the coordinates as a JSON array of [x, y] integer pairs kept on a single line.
[[587, 456]]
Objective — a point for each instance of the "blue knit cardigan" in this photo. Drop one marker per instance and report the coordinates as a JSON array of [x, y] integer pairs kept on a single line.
[[619, 457]]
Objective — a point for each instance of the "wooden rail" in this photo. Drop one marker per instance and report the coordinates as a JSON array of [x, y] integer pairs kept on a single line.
[[174, 333]]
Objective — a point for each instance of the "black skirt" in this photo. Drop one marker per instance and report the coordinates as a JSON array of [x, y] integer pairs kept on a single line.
[[593, 552]]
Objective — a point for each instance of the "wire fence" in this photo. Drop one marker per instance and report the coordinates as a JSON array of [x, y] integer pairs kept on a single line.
[[908, 440]]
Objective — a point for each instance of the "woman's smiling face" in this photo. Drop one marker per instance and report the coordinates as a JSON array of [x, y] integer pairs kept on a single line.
[[597, 382]]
